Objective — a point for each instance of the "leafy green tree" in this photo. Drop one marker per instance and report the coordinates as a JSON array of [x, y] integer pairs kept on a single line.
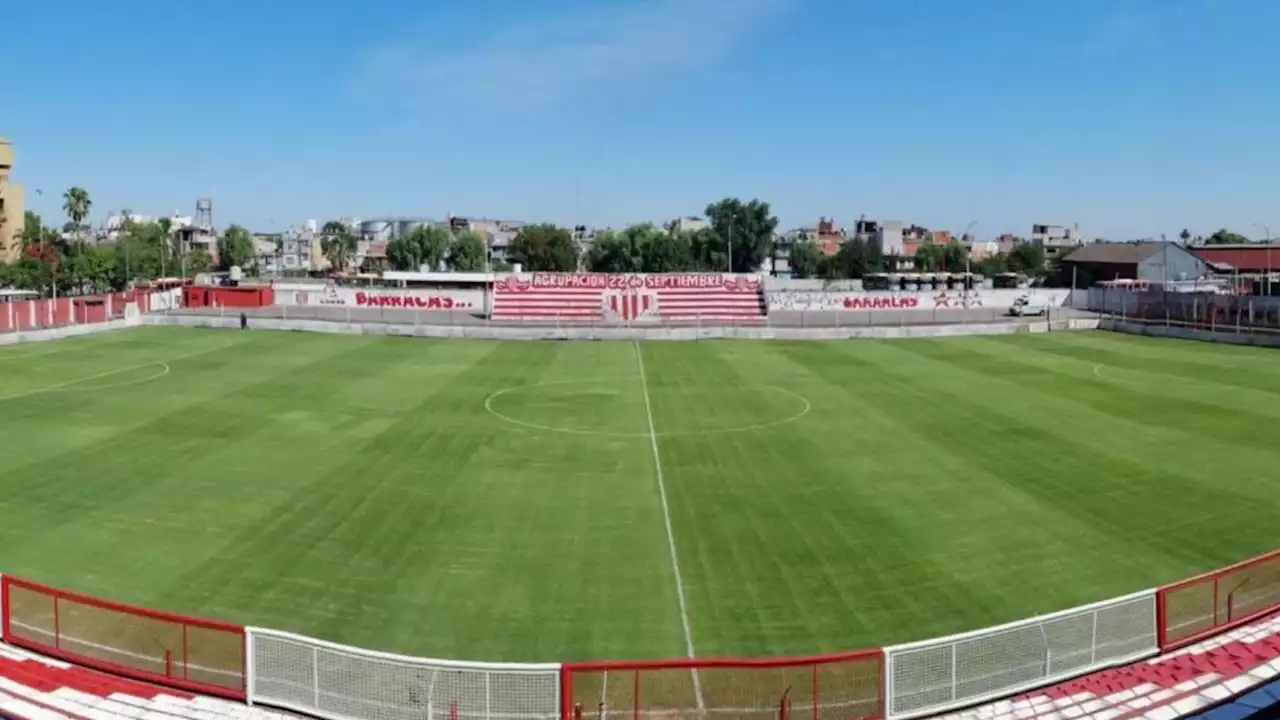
[[1185, 236], [856, 258], [468, 252], [806, 258], [1226, 237], [954, 254], [424, 247], [744, 232], [544, 247], [1027, 258], [198, 261], [667, 252], [992, 265], [235, 249], [611, 253], [928, 257], [34, 232], [338, 245]]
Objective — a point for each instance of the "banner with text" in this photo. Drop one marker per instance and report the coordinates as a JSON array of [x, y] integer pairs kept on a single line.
[[824, 301], [425, 299], [628, 297]]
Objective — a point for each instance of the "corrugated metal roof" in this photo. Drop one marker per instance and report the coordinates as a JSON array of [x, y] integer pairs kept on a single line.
[[1115, 253], [1243, 257]]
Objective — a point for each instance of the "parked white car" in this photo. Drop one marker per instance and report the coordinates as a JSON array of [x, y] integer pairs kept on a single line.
[[1029, 305]]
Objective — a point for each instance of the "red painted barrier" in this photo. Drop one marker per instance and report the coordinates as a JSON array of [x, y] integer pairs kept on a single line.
[[197, 655], [1199, 607], [842, 685]]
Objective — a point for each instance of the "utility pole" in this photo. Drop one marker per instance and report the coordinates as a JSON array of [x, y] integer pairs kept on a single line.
[[730, 244]]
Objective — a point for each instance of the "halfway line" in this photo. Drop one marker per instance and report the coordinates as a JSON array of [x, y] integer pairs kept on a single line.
[[666, 518]]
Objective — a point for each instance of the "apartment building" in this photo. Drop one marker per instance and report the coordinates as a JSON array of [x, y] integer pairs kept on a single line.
[[11, 206], [1057, 240]]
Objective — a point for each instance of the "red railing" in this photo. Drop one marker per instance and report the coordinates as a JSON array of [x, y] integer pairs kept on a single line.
[[197, 655], [844, 686], [1193, 609]]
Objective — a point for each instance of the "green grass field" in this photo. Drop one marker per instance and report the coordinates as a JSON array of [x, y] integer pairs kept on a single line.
[[501, 501]]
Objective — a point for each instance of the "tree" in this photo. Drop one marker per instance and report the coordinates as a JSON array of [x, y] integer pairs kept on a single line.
[[805, 259], [745, 231], [424, 247], [1226, 237], [954, 255], [668, 253], [1027, 258], [929, 257], [544, 247], [856, 258], [76, 204], [467, 252], [235, 248], [992, 265], [198, 261], [1185, 236], [612, 253], [338, 245]]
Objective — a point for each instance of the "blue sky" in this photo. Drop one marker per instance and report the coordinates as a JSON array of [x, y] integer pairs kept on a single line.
[[1129, 117]]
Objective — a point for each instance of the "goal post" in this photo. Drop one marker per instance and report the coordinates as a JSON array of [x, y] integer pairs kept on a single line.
[[819, 687]]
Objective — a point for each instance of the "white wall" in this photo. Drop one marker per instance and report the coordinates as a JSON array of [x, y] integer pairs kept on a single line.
[[466, 300], [827, 300]]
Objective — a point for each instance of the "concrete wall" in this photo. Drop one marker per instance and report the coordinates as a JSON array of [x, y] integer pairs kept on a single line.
[[587, 333], [827, 300], [26, 336], [1185, 332]]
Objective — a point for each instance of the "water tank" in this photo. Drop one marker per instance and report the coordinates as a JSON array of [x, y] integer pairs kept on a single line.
[[376, 230], [404, 227]]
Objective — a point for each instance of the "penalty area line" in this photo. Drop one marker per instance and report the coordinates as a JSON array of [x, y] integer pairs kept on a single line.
[[666, 519]]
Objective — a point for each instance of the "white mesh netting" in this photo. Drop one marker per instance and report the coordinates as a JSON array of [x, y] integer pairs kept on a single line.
[[340, 682], [934, 675]]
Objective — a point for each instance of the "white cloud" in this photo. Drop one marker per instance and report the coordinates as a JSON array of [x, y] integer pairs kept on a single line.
[[548, 60]]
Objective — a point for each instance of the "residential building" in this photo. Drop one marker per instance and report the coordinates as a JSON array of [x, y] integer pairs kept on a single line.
[[497, 234], [1155, 262], [688, 223], [12, 210], [1057, 240]]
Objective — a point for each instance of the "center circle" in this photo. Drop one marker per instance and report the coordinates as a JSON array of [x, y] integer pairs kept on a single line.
[[586, 407]]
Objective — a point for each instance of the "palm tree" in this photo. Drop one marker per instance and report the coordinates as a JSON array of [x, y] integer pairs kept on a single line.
[[76, 203], [338, 244]]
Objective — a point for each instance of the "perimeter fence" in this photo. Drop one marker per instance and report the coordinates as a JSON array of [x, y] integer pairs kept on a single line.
[[338, 682]]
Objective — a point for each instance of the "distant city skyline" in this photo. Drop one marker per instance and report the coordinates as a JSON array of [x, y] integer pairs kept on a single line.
[[1132, 118]]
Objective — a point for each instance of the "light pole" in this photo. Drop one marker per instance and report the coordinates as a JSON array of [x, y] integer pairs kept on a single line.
[[1267, 240], [968, 250]]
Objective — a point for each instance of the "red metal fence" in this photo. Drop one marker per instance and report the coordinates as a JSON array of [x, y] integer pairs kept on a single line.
[[845, 685], [1195, 608], [197, 655]]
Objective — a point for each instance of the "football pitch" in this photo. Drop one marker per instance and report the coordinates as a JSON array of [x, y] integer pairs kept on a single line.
[[571, 501]]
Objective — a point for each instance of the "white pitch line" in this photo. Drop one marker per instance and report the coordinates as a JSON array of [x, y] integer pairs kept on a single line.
[[666, 518], [108, 373]]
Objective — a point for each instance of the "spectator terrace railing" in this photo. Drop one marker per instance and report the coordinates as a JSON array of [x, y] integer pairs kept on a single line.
[[338, 682]]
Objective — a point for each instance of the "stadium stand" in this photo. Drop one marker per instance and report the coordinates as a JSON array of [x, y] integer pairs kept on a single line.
[[33, 687]]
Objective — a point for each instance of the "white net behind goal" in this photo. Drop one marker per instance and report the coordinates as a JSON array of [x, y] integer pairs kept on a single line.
[[344, 683], [934, 675]]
